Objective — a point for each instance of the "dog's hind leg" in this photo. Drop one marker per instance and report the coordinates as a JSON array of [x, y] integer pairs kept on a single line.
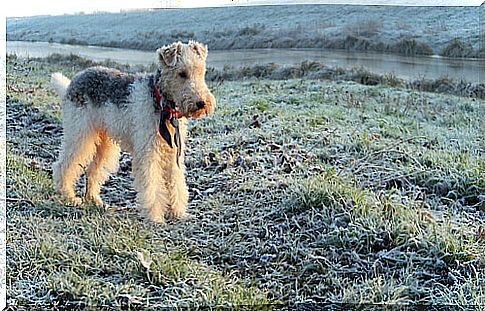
[[105, 162], [77, 150]]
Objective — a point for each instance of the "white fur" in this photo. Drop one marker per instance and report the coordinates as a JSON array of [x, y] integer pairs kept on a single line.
[[60, 83]]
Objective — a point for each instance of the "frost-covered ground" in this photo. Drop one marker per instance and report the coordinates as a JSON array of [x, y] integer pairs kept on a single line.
[[303, 190], [331, 26]]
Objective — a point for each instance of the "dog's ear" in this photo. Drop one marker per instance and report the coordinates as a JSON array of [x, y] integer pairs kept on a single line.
[[199, 48], [170, 54]]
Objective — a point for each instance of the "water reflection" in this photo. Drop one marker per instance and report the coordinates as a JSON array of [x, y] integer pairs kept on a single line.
[[406, 67]]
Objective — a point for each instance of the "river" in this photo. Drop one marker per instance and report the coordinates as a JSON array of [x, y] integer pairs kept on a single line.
[[431, 67]]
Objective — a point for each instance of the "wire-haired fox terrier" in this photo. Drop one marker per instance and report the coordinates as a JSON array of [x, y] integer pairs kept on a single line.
[[105, 110]]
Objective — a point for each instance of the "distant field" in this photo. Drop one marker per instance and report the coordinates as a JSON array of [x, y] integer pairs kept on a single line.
[[303, 190], [403, 30]]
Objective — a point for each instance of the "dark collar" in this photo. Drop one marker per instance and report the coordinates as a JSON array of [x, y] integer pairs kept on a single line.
[[163, 103], [167, 113]]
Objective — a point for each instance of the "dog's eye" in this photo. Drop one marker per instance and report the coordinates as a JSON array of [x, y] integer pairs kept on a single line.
[[183, 75]]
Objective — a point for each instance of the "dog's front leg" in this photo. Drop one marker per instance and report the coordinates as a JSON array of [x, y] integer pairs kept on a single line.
[[150, 183], [177, 189]]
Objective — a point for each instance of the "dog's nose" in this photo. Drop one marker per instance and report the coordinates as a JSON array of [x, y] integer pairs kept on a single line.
[[200, 104]]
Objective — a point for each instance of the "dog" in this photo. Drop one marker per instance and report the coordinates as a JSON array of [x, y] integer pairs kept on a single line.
[[106, 111]]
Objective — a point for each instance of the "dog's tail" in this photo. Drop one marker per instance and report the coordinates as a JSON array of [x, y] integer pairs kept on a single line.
[[59, 83]]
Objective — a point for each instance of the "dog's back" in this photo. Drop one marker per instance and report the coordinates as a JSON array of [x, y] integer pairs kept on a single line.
[[99, 86]]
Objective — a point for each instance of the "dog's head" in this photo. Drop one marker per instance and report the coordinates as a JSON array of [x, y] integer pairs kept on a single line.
[[183, 78]]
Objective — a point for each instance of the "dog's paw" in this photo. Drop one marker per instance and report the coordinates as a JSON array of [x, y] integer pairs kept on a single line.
[[75, 201], [160, 220], [96, 200], [184, 216]]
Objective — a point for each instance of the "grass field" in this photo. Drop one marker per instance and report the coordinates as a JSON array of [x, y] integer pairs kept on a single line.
[[302, 191]]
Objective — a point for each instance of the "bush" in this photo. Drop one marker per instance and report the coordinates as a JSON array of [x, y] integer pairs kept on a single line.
[[411, 47], [251, 30], [357, 43], [481, 53], [458, 48]]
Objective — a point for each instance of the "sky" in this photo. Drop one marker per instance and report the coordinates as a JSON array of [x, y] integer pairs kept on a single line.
[[19, 8]]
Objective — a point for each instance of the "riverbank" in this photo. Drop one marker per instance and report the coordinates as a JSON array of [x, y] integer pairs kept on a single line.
[[404, 67], [302, 191], [425, 30], [304, 70], [317, 70]]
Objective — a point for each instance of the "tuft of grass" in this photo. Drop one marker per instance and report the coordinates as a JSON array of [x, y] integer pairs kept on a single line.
[[261, 105], [359, 222], [26, 174]]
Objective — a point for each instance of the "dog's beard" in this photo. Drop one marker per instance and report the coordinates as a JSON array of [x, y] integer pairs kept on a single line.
[[193, 112], [199, 113]]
